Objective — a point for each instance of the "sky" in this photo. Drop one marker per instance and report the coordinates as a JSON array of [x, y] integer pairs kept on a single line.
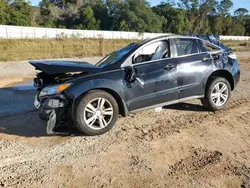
[[237, 3]]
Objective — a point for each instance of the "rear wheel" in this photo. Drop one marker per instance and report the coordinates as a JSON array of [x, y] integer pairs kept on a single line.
[[96, 113], [217, 94]]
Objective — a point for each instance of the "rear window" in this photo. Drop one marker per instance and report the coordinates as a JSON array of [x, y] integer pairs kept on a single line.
[[186, 46]]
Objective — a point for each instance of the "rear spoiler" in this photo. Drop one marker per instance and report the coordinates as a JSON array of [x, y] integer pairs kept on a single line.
[[214, 39]]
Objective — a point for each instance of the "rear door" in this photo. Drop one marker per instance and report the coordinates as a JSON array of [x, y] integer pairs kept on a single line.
[[194, 62]]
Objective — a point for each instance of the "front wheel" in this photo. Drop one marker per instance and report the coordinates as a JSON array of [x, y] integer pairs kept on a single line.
[[217, 94], [96, 113]]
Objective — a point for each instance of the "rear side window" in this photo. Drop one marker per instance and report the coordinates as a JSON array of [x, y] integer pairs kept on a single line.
[[186, 46]]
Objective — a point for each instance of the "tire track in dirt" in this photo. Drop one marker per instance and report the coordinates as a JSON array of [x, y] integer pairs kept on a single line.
[[206, 160], [187, 120]]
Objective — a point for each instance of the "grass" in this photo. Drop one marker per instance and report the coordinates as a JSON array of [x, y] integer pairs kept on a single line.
[[30, 49], [244, 60], [238, 46]]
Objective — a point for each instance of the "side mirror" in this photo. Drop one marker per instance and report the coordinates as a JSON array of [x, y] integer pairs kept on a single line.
[[130, 74], [132, 77]]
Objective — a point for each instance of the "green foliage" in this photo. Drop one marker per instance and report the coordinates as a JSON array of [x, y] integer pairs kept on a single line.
[[224, 7], [20, 13], [241, 14], [4, 13], [187, 16], [175, 20], [88, 20], [216, 23], [139, 17], [15, 12]]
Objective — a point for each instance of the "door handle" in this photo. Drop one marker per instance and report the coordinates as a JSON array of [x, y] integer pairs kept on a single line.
[[140, 81], [169, 67]]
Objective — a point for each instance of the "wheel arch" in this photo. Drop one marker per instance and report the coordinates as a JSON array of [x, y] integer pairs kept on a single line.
[[84, 88], [122, 107], [221, 73]]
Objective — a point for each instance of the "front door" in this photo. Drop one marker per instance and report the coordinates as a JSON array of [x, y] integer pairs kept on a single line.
[[155, 78]]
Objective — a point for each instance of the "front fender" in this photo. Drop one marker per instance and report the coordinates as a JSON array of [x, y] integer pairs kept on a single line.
[[79, 89]]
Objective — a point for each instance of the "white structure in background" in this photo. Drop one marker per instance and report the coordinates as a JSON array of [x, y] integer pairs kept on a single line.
[[17, 32]]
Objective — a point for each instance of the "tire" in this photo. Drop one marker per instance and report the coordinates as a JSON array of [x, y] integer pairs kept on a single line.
[[99, 121], [217, 95]]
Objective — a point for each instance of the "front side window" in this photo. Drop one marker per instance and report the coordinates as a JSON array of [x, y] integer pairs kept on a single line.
[[186, 46], [151, 52]]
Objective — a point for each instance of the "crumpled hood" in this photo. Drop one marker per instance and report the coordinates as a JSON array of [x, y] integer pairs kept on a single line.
[[61, 67]]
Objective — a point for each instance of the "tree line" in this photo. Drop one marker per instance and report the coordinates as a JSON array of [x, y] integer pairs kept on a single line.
[[186, 16]]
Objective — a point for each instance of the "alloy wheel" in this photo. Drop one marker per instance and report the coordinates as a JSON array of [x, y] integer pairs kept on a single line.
[[220, 94], [98, 113]]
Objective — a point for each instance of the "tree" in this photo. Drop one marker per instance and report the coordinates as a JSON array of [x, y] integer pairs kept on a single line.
[[100, 12], [4, 13], [241, 14], [175, 18], [50, 13], [114, 8], [247, 25], [88, 20], [139, 16], [35, 16], [216, 24], [241, 11], [70, 16], [224, 7], [124, 26], [20, 13], [197, 12], [190, 16]]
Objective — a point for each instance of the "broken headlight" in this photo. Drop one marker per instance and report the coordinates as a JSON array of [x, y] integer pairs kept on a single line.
[[55, 89]]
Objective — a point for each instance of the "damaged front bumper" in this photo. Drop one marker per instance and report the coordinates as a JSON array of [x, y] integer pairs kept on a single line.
[[53, 109]]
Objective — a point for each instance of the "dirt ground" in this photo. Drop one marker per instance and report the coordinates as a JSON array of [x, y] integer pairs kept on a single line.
[[182, 146]]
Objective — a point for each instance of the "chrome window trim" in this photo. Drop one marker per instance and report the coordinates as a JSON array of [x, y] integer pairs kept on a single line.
[[147, 62]]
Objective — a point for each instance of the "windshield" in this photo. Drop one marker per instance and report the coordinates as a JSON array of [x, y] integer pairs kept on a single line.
[[116, 56]]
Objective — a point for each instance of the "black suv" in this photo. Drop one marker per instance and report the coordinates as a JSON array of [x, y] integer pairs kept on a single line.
[[140, 76]]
